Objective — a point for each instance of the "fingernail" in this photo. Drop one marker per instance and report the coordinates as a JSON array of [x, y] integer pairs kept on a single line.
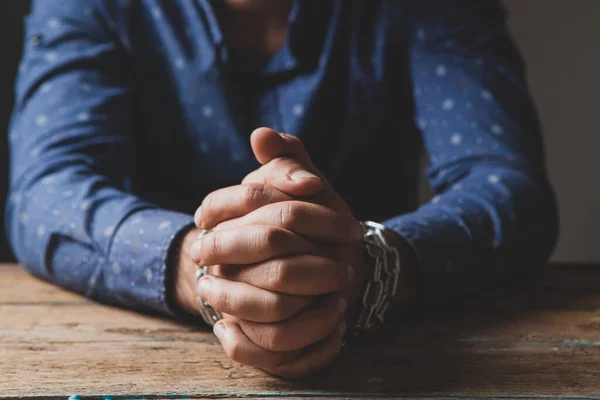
[[196, 250], [204, 285], [198, 217], [341, 304], [342, 328], [357, 232], [350, 273], [303, 174], [219, 330]]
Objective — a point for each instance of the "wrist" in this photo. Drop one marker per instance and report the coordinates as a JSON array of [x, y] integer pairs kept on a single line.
[[181, 288], [390, 278]]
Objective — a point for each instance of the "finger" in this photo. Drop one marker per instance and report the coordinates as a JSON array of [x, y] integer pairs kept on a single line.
[[248, 302], [316, 358], [268, 144], [248, 245], [301, 330], [288, 175], [241, 349], [235, 201], [314, 221], [279, 173], [303, 274]]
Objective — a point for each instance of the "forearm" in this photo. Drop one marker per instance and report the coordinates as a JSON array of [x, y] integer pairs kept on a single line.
[[90, 237], [494, 224]]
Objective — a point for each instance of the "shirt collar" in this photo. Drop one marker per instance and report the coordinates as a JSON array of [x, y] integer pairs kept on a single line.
[[308, 27]]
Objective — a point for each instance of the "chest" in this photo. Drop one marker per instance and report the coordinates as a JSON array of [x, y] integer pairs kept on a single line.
[[195, 110]]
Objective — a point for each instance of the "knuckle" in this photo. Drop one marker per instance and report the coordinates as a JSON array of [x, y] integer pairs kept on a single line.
[[223, 301], [280, 308], [255, 193], [289, 214], [213, 247], [274, 274], [273, 339], [274, 238]]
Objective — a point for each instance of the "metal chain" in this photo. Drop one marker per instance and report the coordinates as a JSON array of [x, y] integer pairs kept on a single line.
[[382, 287]]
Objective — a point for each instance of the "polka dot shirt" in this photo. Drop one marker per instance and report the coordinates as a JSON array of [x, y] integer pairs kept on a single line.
[[128, 113]]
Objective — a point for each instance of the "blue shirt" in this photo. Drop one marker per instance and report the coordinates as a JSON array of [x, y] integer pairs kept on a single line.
[[129, 112]]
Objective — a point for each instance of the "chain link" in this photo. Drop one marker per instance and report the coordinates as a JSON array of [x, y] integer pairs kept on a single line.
[[382, 287]]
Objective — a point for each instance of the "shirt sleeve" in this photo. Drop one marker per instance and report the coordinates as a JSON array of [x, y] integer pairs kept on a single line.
[[494, 214], [72, 216]]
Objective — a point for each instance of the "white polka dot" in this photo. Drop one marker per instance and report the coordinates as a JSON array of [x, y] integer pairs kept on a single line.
[[53, 23], [148, 274], [441, 70], [24, 218], [179, 63], [68, 193], [48, 180], [478, 140], [51, 56], [448, 104], [35, 152], [116, 268], [456, 139], [55, 212], [16, 198], [83, 117], [204, 148], [422, 123], [72, 225], [156, 13], [493, 178], [487, 95], [497, 129], [457, 186], [436, 199], [45, 88], [141, 231], [86, 87], [164, 225], [298, 110], [237, 157], [41, 120], [108, 231], [41, 230], [207, 111], [85, 205]]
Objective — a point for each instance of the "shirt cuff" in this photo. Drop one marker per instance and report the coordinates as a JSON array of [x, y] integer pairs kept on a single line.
[[139, 257]]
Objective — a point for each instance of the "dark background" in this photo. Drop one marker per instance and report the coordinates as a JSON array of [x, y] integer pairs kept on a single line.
[[11, 32]]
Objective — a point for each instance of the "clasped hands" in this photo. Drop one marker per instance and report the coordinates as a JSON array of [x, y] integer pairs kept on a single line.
[[285, 262]]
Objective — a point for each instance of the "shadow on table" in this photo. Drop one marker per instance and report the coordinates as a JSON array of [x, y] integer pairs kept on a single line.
[[508, 340]]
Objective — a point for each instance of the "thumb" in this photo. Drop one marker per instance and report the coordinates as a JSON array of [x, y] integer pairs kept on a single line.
[[268, 144]]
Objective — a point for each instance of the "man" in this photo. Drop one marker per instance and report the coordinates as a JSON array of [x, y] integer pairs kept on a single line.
[[130, 114]]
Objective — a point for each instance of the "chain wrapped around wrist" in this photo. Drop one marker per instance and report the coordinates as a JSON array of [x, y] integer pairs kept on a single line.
[[209, 314], [383, 284]]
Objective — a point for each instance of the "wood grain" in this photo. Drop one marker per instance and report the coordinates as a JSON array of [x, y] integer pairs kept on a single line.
[[537, 338]]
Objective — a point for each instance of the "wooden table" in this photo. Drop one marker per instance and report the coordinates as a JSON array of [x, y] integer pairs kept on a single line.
[[538, 338]]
